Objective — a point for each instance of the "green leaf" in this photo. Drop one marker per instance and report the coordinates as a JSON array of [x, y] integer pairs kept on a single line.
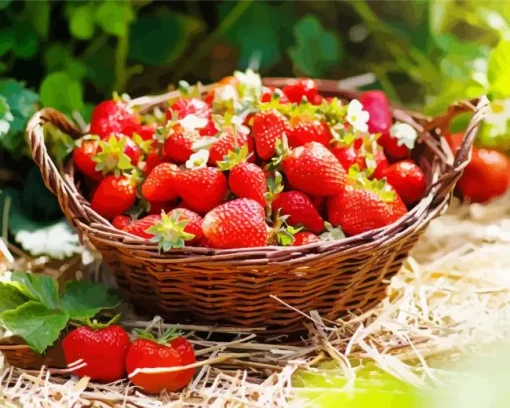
[[36, 201], [114, 18], [7, 40], [498, 73], [316, 50], [259, 31], [10, 297], [147, 34], [39, 16], [5, 120], [62, 92], [4, 4], [453, 91], [38, 287], [84, 299], [26, 41], [81, 21], [39, 326], [99, 64]]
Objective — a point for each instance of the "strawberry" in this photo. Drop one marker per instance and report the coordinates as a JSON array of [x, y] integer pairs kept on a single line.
[[378, 107], [209, 130], [247, 180], [319, 203], [299, 88], [121, 221], [239, 223], [83, 154], [407, 179], [273, 93], [306, 131], [202, 188], [188, 106], [359, 209], [140, 227], [154, 158], [380, 163], [157, 206], [314, 170], [113, 196], [176, 228], [113, 116], [170, 350], [227, 142], [317, 100], [146, 132], [116, 152], [269, 126], [178, 145], [305, 238], [299, 209], [96, 345], [161, 184], [348, 156], [392, 148]]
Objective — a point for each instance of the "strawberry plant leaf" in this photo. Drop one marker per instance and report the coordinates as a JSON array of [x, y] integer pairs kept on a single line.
[[81, 21], [498, 72], [10, 297], [147, 31], [114, 17], [38, 325], [39, 16], [37, 287], [61, 92], [84, 299], [316, 50]]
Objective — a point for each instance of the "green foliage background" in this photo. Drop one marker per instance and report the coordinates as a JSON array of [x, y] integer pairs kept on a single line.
[[72, 54]]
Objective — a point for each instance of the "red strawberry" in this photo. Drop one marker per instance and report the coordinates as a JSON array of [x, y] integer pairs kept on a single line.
[[319, 203], [359, 209], [239, 223], [227, 142], [392, 148], [168, 351], [300, 210], [102, 349], [268, 95], [301, 87], [140, 227], [269, 126], [307, 131], [381, 163], [116, 152], [83, 154], [178, 145], [377, 105], [184, 107], [202, 188], [177, 228], [154, 158], [157, 206], [113, 196], [113, 117], [408, 181], [314, 170], [305, 238], [317, 100], [146, 132], [209, 129], [348, 156], [161, 184], [121, 221], [247, 180]]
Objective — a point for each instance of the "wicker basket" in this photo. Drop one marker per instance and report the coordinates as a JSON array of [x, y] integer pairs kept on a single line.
[[234, 286], [18, 354]]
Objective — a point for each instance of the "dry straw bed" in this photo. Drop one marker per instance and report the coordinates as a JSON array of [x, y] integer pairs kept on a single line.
[[451, 297]]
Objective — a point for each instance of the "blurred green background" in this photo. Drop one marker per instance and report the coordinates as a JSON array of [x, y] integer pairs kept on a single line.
[[70, 55]]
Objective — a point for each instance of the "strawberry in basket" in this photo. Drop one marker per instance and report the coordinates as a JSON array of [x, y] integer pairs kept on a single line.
[[261, 165]]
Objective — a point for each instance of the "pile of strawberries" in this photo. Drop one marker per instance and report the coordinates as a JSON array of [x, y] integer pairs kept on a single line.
[[248, 166]]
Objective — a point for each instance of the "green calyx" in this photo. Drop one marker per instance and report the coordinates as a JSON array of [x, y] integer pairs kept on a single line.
[[331, 233], [112, 158], [94, 324], [333, 112], [343, 137], [167, 337], [144, 145], [379, 187], [188, 91], [169, 231], [282, 233], [233, 158], [282, 150], [274, 187]]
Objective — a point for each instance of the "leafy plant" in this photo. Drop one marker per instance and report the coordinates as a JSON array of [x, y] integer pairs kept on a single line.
[[33, 308]]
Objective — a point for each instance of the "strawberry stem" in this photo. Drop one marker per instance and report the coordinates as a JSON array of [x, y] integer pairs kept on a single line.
[[94, 324]]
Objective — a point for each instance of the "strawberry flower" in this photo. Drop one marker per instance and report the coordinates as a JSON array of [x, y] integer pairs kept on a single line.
[[193, 122], [498, 115], [405, 134], [357, 117], [198, 159]]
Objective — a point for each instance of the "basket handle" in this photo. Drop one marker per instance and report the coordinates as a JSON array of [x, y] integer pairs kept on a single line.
[[68, 200]]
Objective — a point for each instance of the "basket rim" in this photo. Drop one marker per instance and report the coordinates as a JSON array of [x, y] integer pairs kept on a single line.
[[432, 203]]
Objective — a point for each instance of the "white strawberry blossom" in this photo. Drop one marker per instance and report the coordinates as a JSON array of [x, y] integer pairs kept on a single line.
[[498, 115], [225, 93], [193, 122], [250, 82], [198, 159], [405, 134], [357, 117]]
